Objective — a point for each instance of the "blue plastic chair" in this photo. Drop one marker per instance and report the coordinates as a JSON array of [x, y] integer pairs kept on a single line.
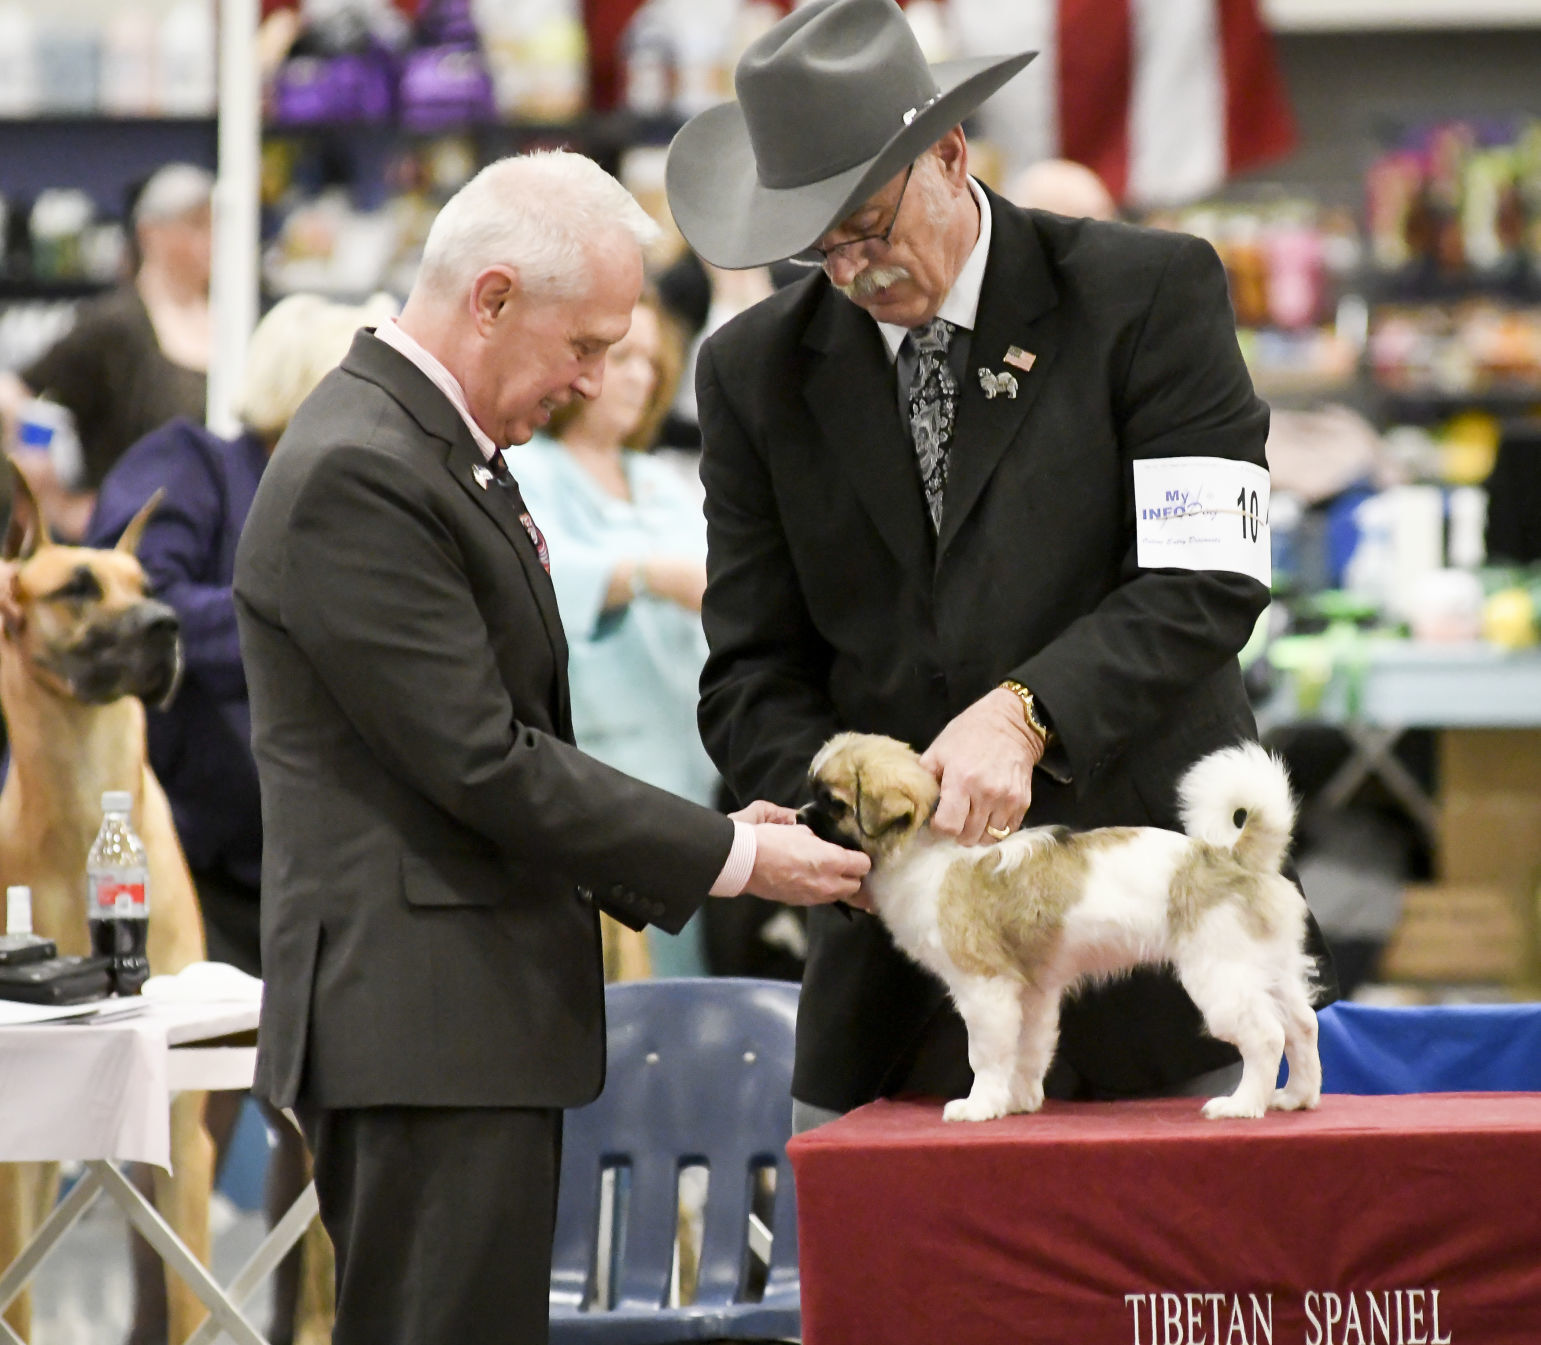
[[1462, 1048], [700, 1072]]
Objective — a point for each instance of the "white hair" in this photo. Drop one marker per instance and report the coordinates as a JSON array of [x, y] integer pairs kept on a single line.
[[172, 191], [539, 213], [300, 341]]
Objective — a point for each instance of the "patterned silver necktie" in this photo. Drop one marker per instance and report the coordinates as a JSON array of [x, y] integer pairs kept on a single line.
[[933, 395]]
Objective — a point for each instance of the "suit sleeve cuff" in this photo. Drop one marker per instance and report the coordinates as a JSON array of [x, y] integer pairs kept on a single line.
[[734, 877]]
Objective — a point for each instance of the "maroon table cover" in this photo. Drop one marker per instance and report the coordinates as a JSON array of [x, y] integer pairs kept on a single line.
[[1411, 1220]]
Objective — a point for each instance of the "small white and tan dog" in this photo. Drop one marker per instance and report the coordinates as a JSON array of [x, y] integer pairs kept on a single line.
[[1011, 928]]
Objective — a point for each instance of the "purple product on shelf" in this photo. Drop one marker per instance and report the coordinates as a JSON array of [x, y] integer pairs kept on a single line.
[[445, 86], [351, 87], [446, 23]]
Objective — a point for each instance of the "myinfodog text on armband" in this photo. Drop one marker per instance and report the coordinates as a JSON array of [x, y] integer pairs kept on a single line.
[[1202, 514]]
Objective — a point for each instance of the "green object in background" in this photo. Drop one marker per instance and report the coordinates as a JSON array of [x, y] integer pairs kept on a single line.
[[1312, 661], [1336, 604]]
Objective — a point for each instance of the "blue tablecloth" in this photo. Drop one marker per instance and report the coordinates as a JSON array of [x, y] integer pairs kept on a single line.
[[1466, 1048]]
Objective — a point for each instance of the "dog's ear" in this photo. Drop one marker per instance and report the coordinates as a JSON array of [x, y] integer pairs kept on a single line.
[[25, 533], [877, 813], [129, 542]]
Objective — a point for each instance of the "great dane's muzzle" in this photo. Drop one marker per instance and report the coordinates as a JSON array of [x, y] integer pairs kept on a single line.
[[137, 652]]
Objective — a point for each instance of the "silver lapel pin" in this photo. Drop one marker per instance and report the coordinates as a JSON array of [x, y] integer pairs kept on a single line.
[[994, 384], [482, 476]]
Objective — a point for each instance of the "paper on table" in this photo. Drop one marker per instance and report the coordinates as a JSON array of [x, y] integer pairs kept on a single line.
[[12, 1013]]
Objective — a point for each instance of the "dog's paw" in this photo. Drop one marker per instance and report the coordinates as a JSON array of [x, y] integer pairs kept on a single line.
[[1227, 1108], [1026, 1097], [1284, 1100], [972, 1108]]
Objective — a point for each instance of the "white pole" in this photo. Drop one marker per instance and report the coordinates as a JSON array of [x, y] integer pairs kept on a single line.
[[233, 278]]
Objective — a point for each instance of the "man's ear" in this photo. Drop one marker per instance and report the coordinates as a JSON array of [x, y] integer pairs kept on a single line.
[[25, 533], [952, 153], [491, 292]]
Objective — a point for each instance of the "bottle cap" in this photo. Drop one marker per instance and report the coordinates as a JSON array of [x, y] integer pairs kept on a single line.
[[18, 910], [117, 801]]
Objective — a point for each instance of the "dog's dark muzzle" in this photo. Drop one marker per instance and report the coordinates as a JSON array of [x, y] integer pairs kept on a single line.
[[818, 820], [137, 653]]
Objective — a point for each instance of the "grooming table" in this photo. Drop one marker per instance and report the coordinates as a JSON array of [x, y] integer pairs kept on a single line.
[[1408, 1220], [99, 1092]]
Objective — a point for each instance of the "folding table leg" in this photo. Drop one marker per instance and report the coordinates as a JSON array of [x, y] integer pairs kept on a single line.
[[59, 1221], [264, 1261], [158, 1233]]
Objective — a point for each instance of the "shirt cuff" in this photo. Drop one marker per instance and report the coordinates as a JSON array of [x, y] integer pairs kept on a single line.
[[734, 877]]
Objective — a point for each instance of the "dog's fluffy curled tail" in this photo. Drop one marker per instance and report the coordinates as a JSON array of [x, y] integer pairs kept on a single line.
[[1239, 799]]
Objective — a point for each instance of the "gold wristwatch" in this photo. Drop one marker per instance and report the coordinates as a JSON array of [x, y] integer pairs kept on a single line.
[[1030, 709]]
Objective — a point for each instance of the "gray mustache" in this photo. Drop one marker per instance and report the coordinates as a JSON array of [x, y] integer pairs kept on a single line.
[[874, 278]]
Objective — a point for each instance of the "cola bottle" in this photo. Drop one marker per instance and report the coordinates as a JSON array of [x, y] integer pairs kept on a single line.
[[118, 895]]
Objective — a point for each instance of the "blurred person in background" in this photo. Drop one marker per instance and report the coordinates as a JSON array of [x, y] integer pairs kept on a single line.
[[135, 358], [1062, 187], [628, 560], [200, 748]]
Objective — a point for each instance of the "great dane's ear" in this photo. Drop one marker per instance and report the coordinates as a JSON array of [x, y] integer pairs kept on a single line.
[[26, 532], [129, 542]]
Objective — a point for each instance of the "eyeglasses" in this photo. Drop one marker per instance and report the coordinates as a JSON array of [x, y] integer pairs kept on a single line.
[[817, 256]]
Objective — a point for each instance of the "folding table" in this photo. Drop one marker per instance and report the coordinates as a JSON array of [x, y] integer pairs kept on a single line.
[[99, 1092]]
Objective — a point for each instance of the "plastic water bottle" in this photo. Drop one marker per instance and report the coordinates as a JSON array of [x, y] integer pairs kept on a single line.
[[118, 895]]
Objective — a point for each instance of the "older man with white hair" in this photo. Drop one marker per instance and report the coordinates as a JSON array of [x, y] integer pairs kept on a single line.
[[436, 851], [134, 358]]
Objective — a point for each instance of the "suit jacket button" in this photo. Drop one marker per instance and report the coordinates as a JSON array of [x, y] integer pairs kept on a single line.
[[584, 893]]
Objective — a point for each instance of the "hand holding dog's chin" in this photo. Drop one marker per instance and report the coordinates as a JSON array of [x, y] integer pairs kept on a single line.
[[984, 759], [793, 866], [763, 810]]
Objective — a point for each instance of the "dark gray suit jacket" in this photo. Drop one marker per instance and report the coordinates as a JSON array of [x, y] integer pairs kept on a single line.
[[831, 606], [434, 847]]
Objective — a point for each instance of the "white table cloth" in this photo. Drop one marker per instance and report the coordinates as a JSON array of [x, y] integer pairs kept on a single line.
[[83, 1089], [99, 1091]]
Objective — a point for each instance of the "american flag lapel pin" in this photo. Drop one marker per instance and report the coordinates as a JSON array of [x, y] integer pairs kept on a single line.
[[1019, 358]]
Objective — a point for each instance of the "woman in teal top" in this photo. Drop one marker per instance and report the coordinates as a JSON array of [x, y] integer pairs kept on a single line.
[[628, 559]]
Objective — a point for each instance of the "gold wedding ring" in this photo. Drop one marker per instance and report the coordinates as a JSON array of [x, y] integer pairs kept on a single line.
[[1000, 833]]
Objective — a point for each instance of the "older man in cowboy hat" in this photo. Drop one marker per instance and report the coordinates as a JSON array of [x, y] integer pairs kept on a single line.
[[988, 480]]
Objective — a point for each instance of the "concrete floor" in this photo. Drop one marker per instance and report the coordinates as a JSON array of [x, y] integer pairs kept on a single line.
[[82, 1294]]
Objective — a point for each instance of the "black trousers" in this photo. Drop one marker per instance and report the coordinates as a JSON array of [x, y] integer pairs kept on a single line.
[[442, 1221]]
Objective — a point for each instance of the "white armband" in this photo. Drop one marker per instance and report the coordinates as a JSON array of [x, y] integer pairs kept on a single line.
[[1202, 514]]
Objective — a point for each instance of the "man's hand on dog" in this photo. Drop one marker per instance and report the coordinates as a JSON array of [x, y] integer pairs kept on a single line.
[[793, 866], [984, 760]]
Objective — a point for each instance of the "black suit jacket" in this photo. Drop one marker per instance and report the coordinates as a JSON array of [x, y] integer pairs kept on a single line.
[[434, 846], [831, 606]]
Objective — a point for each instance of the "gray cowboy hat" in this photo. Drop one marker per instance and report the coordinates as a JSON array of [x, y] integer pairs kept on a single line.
[[832, 102]]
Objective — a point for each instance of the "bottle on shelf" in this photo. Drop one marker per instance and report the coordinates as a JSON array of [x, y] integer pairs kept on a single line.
[[19, 944], [118, 895]]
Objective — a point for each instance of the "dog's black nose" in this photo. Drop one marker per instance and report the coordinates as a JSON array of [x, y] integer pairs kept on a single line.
[[157, 620]]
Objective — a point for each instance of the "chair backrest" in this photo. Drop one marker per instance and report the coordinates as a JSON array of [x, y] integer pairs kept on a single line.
[[699, 1072], [1464, 1048]]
